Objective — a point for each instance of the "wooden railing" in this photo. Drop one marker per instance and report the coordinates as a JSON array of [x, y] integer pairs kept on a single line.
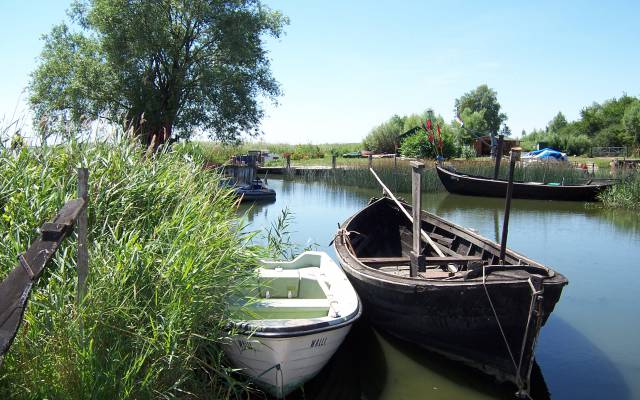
[[16, 287]]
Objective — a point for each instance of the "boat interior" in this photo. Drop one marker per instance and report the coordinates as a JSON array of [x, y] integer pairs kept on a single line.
[[290, 290], [381, 237]]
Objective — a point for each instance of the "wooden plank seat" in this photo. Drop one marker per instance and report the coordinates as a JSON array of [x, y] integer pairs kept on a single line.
[[391, 261]]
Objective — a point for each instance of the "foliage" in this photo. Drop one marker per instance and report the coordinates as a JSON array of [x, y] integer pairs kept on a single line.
[[558, 122], [631, 120], [475, 126], [165, 252], [483, 101], [384, 137], [306, 151], [614, 123], [417, 145], [625, 194], [159, 66], [467, 152]]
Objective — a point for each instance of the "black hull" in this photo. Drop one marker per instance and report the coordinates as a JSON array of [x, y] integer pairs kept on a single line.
[[453, 317], [469, 185]]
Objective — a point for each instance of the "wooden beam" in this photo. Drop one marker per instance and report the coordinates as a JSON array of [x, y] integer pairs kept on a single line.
[[16, 287], [391, 261]]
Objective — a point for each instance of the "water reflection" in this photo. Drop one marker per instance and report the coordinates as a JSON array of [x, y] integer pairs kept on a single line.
[[586, 350]]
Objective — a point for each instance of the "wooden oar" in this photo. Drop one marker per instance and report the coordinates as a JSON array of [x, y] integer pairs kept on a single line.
[[406, 213]]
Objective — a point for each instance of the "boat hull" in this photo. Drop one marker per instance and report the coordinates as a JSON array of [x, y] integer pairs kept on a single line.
[[280, 365], [490, 324], [478, 186]]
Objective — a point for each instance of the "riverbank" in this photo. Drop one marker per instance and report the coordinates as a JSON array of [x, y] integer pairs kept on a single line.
[[165, 251], [625, 194]]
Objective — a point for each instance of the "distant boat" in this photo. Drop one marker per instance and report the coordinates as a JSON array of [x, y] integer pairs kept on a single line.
[[304, 310], [256, 190], [465, 306], [473, 185]]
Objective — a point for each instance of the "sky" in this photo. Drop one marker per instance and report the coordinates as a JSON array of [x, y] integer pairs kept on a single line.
[[346, 66]]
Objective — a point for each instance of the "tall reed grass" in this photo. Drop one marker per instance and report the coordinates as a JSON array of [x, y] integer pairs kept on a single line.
[[625, 194], [166, 250]]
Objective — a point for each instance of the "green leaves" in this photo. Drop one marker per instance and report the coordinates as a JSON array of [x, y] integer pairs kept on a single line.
[[483, 101], [182, 64]]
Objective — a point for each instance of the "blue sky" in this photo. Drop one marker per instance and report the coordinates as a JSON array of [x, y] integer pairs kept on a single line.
[[346, 66]]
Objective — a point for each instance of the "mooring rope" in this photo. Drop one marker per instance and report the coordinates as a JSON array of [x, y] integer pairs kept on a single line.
[[518, 366]]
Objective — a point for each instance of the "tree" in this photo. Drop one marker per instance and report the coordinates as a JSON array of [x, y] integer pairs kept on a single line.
[[558, 122], [159, 67], [384, 137], [631, 121], [482, 100]]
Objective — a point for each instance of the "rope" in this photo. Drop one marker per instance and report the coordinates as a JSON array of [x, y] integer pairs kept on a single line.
[[522, 388]]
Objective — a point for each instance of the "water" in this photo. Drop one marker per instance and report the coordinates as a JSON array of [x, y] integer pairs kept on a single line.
[[588, 348]]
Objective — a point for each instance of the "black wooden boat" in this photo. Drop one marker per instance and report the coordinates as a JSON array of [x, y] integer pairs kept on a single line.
[[465, 306], [472, 185]]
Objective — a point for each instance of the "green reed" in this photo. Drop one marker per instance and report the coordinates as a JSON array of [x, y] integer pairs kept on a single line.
[[166, 250], [625, 194]]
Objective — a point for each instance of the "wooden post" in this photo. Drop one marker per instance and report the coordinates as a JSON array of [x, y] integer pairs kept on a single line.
[[496, 171], [370, 161], [83, 251], [416, 182], [395, 161], [514, 156], [288, 161], [333, 161]]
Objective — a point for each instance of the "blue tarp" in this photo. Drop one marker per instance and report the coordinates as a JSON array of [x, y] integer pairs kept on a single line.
[[547, 153]]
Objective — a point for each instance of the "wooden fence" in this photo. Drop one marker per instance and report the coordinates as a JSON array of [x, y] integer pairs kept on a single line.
[[16, 287]]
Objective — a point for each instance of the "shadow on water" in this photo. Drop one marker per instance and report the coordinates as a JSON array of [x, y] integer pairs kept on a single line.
[[575, 368]]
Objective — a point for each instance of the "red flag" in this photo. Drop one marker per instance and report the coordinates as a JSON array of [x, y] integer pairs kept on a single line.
[[429, 124], [438, 130], [431, 137]]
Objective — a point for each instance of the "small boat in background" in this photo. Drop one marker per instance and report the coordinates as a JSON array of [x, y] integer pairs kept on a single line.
[[465, 305], [288, 326], [472, 185], [256, 190]]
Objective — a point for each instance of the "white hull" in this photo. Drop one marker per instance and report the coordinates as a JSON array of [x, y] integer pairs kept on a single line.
[[281, 365]]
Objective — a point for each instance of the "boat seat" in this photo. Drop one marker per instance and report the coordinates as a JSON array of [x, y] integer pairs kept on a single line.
[[280, 283], [289, 308]]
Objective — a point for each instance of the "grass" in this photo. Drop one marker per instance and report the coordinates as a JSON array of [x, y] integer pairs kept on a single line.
[[218, 153], [625, 194], [166, 251]]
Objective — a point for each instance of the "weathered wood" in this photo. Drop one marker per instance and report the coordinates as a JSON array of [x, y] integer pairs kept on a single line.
[[370, 161], [416, 195], [83, 251], [333, 161], [515, 155], [16, 287], [496, 170], [391, 261]]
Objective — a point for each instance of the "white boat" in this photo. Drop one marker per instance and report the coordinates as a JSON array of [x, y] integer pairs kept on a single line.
[[292, 322]]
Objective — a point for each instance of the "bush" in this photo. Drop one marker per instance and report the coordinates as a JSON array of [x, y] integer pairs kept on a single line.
[[577, 145], [306, 152], [417, 145], [165, 253]]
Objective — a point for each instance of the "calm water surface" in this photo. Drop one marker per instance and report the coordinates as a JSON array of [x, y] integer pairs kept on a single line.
[[589, 348]]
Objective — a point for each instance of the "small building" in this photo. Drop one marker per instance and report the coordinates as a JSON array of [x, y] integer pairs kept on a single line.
[[482, 145]]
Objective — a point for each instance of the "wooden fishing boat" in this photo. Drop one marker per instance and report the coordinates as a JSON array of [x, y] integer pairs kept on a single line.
[[465, 305], [290, 324], [472, 185], [256, 190]]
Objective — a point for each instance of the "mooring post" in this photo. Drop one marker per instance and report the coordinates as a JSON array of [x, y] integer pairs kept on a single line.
[[498, 156], [288, 162], [333, 161], [514, 156], [83, 251], [416, 196], [370, 161]]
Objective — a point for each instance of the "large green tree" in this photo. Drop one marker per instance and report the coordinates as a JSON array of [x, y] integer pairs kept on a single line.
[[482, 100], [159, 67]]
